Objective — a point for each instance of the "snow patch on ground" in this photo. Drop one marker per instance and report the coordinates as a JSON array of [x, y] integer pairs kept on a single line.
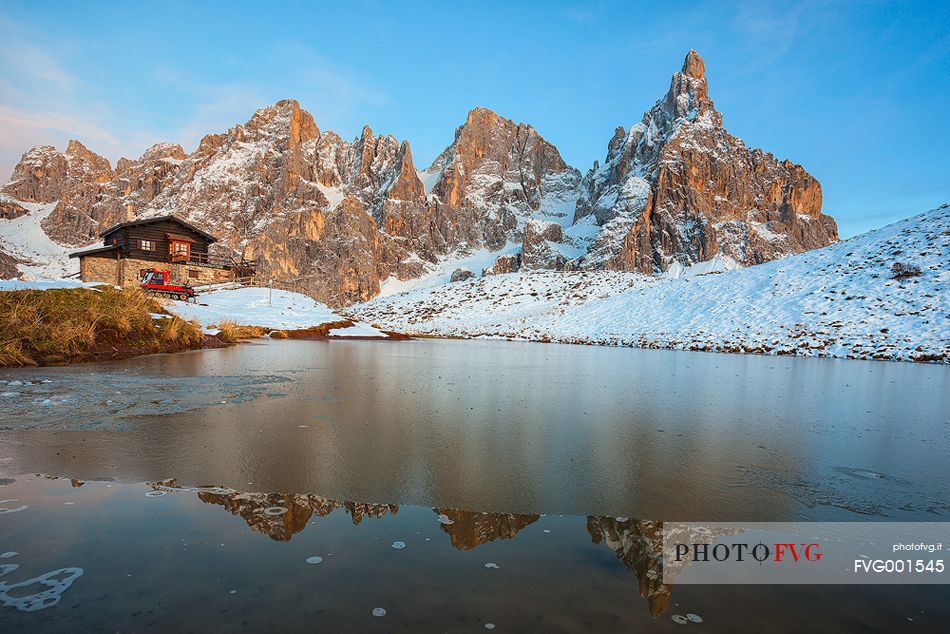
[[44, 285], [268, 308], [839, 301], [441, 273], [718, 264], [334, 195], [357, 330]]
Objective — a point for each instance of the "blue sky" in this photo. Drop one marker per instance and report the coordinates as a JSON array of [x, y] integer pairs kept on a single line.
[[858, 93]]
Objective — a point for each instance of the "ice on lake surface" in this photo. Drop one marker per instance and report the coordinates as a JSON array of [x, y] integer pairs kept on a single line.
[[554, 463], [505, 425], [75, 573]]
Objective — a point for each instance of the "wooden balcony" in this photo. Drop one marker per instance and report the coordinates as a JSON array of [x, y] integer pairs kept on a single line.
[[241, 268]]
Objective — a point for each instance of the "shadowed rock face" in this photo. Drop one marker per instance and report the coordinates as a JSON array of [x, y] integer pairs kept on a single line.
[[677, 187], [8, 268], [336, 218], [503, 264], [538, 246], [10, 210]]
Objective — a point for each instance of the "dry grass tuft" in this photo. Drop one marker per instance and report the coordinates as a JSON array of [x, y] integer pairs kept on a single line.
[[230, 332], [314, 332], [174, 329], [79, 324]]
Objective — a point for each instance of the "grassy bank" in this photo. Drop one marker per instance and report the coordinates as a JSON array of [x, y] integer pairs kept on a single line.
[[59, 326], [230, 332]]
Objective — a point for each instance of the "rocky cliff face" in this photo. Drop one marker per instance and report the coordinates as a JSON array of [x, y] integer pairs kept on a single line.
[[678, 188], [338, 218], [8, 266], [495, 177], [71, 179], [334, 217]]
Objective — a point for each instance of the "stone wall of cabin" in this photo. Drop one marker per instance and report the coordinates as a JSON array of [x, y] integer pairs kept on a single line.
[[125, 272], [94, 268]]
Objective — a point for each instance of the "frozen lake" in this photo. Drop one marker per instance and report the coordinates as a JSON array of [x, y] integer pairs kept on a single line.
[[550, 461]]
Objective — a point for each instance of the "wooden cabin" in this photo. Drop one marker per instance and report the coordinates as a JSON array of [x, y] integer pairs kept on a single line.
[[165, 242]]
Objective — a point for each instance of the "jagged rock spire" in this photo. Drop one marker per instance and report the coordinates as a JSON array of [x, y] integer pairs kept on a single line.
[[693, 65], [678, 189]]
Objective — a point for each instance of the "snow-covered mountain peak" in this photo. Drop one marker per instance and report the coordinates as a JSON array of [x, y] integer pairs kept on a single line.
[[677, 188], [339, 217], [164, 150]]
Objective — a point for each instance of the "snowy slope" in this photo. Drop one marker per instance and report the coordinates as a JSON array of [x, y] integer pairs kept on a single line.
[[44, 285], [839, 301], [24, 239], [267, 308], [441, 272]]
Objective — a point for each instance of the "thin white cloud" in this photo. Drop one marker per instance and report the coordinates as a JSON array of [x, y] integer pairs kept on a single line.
[[770, 29], [43, 103]]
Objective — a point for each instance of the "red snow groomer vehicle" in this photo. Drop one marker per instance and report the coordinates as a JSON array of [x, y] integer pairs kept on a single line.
[[155, 282]]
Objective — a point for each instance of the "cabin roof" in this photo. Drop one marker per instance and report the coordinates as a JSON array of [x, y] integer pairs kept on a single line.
[[93, 251], [179, 237], [148, 221]]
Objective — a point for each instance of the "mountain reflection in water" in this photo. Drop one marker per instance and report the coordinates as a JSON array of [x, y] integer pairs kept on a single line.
[[102, 554], [637, 543]]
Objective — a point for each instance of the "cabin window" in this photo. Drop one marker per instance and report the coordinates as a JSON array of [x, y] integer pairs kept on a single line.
[[179, 250], [193, 274], [147, 245]]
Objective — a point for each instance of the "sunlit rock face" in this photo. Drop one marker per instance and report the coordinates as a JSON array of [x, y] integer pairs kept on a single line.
[[677, 187], [332, 217], [470, 529], [71, 179], [494, 177], [335, 219]]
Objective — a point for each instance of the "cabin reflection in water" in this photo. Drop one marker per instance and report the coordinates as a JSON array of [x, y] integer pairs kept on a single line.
[[638, 544]]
